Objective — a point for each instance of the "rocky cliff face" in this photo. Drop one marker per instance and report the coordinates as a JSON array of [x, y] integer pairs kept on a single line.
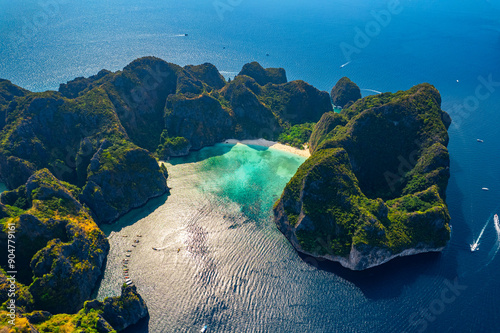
[[63, 249], [296, 102], [262, 75], [345, 92], [358, 200], [8, 92], [201, 120], [208, 74], [120, 312], [120, 178]]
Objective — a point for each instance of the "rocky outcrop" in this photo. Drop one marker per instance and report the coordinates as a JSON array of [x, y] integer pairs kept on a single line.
[[121, 177], [296, 102], [263, 75], [73, 88], [8, 93], [255, 119], [14, 171], [63, 249], [327, 124], [172, 147], [345, 92], [208, 74], [138, 94], [120, 312], [357, 200], [201, 120]]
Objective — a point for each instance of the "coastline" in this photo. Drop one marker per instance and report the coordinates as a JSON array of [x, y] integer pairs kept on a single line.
[[272, 145]]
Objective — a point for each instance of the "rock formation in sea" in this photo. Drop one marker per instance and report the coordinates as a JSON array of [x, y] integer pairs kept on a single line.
[[374, 187], [345, 92]]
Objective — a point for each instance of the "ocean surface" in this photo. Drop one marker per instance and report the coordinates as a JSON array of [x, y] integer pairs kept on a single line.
[[234, 271]]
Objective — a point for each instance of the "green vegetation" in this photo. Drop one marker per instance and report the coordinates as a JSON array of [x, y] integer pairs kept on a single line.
[[376, 179], [297, 135], [89, 151], [345, 92], [172, 146], [58, 235]]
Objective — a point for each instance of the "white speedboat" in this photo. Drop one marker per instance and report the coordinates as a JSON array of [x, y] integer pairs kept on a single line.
[[474, 247], [485, 189], [497, 223], [204, 329]]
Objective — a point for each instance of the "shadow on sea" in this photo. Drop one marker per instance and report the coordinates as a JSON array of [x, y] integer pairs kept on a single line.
[[218, 149], [135, 215], [390, 279], [142, 326]]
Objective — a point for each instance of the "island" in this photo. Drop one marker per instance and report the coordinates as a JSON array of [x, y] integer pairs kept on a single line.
[[374, 187], [85, 155]]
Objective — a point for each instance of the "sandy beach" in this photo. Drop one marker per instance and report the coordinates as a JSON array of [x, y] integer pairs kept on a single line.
[[271, 145]]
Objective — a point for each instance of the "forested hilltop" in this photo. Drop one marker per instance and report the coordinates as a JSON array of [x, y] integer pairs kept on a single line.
[[374, 187]]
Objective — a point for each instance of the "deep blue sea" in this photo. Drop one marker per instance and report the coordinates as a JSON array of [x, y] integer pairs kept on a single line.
[[234, 271]]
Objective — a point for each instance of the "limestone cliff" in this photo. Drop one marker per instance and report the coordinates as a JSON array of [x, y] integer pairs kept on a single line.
[[345, 92], [374, 186], [63, 250]]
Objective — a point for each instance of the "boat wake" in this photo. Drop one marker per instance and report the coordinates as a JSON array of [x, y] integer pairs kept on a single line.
[[373, 91], [475, 245], [493, 253], [347, 63]]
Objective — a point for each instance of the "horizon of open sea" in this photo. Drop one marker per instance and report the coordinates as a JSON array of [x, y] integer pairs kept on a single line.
[[222, 261]]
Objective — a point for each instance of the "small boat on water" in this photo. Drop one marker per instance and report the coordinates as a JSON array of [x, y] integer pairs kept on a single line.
[[479, 140], [485, 189], [497, 222], [474, 247], [204, 329]]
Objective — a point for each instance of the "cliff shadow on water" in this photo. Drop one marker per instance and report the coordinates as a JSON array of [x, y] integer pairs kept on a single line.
[[135, 215], [141, 327], [389, 280], [203, 154]]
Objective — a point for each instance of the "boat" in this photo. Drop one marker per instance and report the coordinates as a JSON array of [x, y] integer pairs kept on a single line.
[[474, 247], [186, 35], [497, 223], [479, 140], [154, 248], [485, 189], [204, 329], [347, 63]]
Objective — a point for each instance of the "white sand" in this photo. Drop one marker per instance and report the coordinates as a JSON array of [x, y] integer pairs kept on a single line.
[[272, 145]]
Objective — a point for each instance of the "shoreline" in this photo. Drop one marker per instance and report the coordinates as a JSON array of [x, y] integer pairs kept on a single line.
[[270, 144]]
